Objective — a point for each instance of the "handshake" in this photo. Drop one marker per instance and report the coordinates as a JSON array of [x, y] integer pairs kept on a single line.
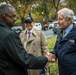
[[51, 57]]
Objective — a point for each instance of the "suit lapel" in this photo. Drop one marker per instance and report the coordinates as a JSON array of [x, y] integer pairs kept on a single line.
[[33, 35], [25, 39]]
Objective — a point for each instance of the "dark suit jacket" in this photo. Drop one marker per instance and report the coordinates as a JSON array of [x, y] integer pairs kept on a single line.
[[14, 60]]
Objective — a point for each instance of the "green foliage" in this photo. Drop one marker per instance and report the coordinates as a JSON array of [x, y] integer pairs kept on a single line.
[[18, 22], [51, 42], [53, 66]]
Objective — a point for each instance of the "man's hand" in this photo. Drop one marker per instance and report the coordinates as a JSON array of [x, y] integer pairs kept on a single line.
[[51, 57]]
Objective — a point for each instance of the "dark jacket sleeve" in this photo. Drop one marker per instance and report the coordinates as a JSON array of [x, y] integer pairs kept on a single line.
[[55, 48], [14, 49]]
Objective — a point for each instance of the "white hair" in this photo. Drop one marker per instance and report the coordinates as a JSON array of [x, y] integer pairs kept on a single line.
[[67, 13]]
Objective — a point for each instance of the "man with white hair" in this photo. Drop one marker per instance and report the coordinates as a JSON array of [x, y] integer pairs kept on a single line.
[[65, 47]]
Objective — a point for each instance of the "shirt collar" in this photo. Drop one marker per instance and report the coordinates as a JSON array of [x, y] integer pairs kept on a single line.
[[68, 29]]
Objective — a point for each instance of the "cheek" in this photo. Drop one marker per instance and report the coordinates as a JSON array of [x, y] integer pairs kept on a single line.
[[65, 23], [10, 22], [62, 22]]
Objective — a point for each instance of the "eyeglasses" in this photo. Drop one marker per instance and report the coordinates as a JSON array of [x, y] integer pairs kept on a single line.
[[12, 16]]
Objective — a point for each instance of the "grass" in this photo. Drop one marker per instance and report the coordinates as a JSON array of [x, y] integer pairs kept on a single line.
[[53, 70], [51, 42]]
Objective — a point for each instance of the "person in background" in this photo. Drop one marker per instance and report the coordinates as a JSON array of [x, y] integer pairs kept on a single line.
[[14, 60], [65, 47], [34, 42]]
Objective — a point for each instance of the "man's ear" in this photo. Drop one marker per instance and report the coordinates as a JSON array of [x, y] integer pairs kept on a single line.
[[70, 20], [4, 16]]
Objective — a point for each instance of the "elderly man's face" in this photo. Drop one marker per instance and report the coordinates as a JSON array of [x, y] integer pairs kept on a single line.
[[63, 23]]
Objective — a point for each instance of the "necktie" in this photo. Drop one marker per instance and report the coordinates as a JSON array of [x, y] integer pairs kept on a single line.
[[61, 34], [28, 34], [64, 34]]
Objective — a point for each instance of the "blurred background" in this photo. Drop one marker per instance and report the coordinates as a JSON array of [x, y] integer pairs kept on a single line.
[[43, 11]]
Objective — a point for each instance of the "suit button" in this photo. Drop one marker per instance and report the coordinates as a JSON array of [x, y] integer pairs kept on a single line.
[[33, 44]]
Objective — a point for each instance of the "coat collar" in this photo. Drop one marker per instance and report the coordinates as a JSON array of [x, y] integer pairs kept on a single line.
[[34, 34], [71, 34], [74, 27], [2, 23]]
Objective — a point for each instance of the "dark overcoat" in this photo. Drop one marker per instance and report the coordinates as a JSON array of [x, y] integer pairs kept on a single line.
[[65, 50], [14, 60]]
